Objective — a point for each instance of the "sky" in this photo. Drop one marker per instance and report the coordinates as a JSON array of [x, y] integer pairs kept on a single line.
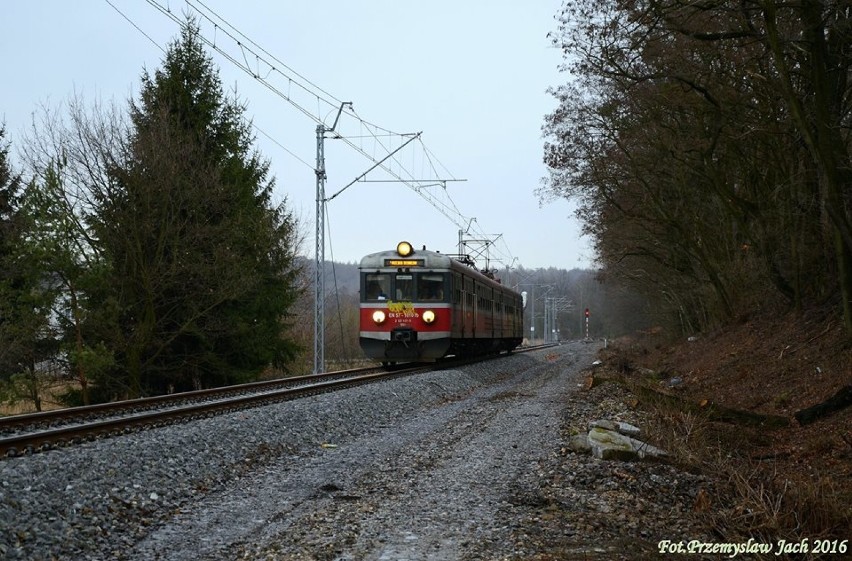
[[470, 76]]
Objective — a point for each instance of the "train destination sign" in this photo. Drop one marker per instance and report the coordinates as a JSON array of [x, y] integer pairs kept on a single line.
[[403, 262]]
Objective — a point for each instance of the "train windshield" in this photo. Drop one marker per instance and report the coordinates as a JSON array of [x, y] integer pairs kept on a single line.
[[404, 286], [377, 286], [430, 287]]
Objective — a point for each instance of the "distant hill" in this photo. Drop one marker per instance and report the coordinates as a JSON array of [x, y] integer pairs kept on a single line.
[[613, 310], [342, 276]]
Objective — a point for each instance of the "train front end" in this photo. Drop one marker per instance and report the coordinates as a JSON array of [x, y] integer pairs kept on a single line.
[[405, 305]]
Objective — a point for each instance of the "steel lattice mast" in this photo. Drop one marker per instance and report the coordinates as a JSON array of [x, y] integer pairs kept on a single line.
[[319, 257], [319, 250]]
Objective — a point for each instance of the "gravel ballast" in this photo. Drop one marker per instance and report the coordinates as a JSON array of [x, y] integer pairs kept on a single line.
[[456, 464]]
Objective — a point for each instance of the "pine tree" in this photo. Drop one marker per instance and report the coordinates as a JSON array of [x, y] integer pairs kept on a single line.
[[203, 262], [26, 295], [12, 282]]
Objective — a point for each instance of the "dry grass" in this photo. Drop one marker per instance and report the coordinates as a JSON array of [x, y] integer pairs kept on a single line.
[[791, 482], [773, 507], [49, 399], [753, 497]]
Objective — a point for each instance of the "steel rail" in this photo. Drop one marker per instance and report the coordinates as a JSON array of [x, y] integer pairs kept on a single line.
[[39, 441], [82, 412], [217, 400]]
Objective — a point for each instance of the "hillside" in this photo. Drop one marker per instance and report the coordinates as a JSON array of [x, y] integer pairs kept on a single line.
[[766, 365]]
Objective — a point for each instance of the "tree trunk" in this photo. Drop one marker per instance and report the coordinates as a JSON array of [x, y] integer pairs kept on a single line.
[[821, 132], [838, 401], [81, 372]]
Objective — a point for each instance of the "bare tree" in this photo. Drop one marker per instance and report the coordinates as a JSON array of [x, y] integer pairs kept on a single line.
[[705, 143]]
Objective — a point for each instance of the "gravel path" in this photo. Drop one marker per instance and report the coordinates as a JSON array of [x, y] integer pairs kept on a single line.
[[459, 464], [429, 487]]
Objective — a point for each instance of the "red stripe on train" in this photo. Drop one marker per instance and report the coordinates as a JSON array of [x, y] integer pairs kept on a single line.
[[411, 317]]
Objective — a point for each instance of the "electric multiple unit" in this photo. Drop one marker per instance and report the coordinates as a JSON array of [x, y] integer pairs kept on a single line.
[[423, 305]]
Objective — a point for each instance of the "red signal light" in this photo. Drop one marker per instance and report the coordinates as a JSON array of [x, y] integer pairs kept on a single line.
[[587, 312]]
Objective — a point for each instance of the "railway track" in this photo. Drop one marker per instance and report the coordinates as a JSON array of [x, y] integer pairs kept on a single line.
[[38, 432]]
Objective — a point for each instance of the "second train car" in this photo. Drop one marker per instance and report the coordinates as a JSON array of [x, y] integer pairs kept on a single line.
[[419, 305]]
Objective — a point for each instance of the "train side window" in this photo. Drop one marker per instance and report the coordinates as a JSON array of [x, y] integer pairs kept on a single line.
[[404, 286], [376, 286], [430, 287]]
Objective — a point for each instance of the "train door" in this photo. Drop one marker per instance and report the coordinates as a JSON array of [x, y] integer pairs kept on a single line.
[[488, 302], [477, 305], [470, 315], [458, 306], [518, 330], [491, 307], [499, 318]]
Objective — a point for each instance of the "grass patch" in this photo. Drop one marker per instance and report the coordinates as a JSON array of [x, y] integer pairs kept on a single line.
[[767, 496]]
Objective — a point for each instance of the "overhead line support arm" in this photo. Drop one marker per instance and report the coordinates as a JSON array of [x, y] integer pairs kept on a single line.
[[377, 164]]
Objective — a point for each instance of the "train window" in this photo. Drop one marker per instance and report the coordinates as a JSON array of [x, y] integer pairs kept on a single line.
[[404, 287], [376, 286], [430, 287]]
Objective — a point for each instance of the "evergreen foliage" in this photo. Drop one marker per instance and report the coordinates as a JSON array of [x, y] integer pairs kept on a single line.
[[146, 256], [14, 282], [201, 261], [26, 294]]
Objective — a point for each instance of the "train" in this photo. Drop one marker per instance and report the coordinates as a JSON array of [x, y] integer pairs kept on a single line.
[[421, 305]]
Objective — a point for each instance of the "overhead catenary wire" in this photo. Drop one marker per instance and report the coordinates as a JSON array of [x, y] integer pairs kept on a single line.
[[165, 10], [131, 22], [335, 101], [246, 44], [326, 103], [163, 49], [274, 141]]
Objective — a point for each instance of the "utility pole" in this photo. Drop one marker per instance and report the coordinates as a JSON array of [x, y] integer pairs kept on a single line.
[[547, 288], [556, 305], [546, 326], [532, 316], [319, 253]]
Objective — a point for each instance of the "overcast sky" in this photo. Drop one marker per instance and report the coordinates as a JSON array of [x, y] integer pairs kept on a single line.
[[470, 75]]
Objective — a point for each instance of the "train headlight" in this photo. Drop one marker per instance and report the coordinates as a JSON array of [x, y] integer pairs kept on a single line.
[[379, 317], [404, 249], [428, 316]]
